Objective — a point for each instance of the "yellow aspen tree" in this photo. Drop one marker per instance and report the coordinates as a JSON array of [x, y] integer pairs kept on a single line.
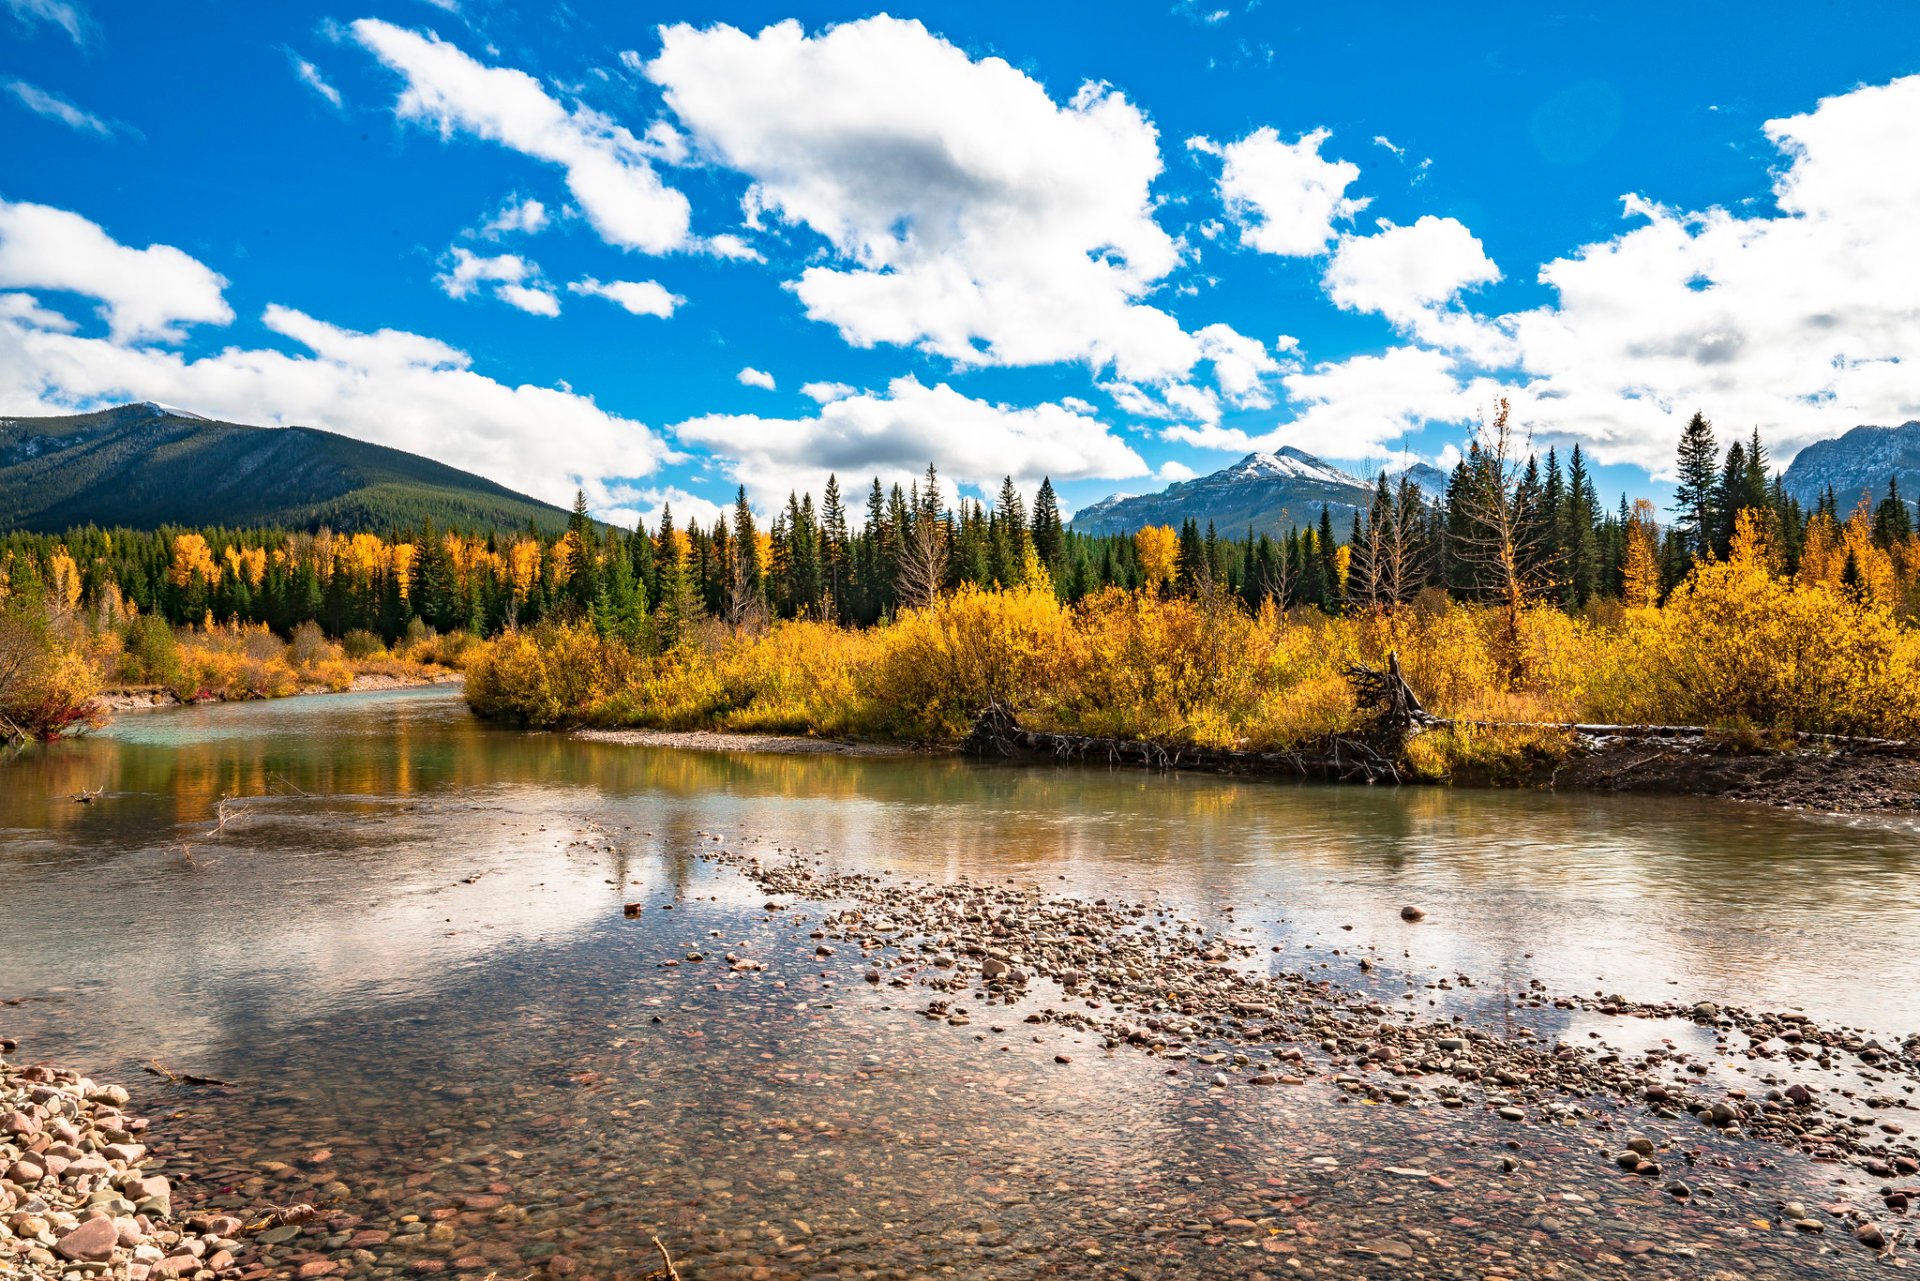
[[1641, 572], [1158, 549]]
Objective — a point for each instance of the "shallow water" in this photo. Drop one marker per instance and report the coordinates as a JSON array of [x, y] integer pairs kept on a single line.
[[407, 944]]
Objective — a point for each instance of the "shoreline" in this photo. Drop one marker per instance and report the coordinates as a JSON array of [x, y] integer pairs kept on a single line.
[[1812, 781], [82, 1194], [710, 740], [155, 698]]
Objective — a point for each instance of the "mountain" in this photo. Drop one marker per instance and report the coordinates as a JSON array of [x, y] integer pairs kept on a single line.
[[1271, 492], [147, 465], [1860, 461]]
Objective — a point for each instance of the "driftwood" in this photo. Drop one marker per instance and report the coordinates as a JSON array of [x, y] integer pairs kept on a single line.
[[183, 1078], [1385, 693]]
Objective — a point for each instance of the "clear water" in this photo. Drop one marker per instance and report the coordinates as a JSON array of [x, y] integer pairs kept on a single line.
[[407, 947]]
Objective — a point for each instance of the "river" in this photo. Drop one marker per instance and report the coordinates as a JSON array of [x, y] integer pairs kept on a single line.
[[406, 945]]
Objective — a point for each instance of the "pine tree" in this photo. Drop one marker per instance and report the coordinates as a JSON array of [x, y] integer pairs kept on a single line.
[[1892, 523], [835, 568], [583, 568], [1694, 493], [1049, 532]]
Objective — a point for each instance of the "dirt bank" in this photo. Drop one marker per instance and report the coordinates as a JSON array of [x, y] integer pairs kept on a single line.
[[1835, 782]]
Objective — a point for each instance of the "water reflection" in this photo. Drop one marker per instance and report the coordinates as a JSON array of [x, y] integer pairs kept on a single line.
[[408, 943]]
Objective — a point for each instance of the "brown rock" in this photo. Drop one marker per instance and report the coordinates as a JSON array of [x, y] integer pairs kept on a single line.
[[91, 1242]]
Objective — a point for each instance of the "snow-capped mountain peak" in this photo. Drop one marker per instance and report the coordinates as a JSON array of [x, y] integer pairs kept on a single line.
[[1288, 464]]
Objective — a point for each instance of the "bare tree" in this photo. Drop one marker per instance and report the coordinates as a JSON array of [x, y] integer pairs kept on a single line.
[[922, 567], [1501, 537], [1388, 559]]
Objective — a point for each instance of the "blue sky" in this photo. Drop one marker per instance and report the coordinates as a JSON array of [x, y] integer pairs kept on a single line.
[[280, 213]]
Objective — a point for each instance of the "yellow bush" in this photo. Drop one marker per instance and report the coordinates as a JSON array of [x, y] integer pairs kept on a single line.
[[938, 666]]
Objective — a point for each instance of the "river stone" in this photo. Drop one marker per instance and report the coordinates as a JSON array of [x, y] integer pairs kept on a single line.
[[91, 1242]]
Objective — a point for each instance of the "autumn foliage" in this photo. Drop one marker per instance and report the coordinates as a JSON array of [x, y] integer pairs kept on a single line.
[[1737, 644]]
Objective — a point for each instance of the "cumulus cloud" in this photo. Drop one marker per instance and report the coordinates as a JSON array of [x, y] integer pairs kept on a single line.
[[1797, 320], [26, 309], [1173, 471], [641, 297], [824, 392], [146, 293], [1402, 272], [309, 75], [1285, 197], [973, 216], [508, 277], [54, 107], [1240, 364], [390, 387], [1351, 408], [733, 248], [525, 216], [751, 377], [608, 170], [633, 504], [893, 435]]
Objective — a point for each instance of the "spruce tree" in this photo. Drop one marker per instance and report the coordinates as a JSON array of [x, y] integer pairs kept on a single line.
[[1049, 532], [1697, 465]]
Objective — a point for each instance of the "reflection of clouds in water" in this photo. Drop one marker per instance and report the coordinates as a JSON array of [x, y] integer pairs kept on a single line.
[[1744, 906]]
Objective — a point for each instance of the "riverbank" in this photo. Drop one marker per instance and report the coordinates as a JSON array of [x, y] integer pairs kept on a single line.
[[1820, 780], [721, 741], [149, 698], [82, 1195]]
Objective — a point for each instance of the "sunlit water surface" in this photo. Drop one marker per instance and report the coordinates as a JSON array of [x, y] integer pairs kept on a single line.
[[406, 945]]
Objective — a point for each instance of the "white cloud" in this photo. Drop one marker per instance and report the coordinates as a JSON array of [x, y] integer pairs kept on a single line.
[[1189, 401], [1239, 365], [310, 76], [751, 377], [1285, 197], [633, 504], [510, 278], [26, 309], [608, 170], [893, 436], [1798, 319], [641, 297], [734, 248], [1350, 409], [54, 107], [389, 387], [525, 216], [1803, 321], [144, 293], [824, 392], [64, 14], [1381, 140], [1402, 272], [973, 216], [1173, 471], [530, 299]]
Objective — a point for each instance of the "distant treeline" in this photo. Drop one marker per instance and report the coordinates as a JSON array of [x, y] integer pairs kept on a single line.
[[1507, 527]]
